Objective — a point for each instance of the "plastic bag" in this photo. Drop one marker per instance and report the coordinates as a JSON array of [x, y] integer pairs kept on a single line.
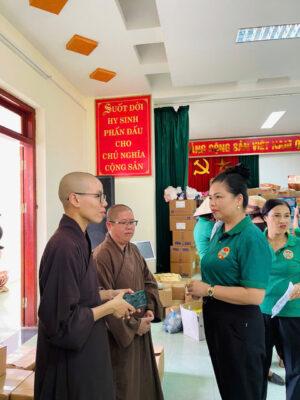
[[191, 193], [170, 193], [173, 322]]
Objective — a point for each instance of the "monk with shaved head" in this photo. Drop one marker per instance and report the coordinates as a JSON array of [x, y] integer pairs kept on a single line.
[[73, 360], [120, 264]]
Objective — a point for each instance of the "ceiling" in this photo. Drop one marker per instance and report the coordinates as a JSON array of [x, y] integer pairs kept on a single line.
[[180, 51]]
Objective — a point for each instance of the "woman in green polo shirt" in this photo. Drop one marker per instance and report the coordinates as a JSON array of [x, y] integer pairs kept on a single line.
[[285, 269], [235, 272]]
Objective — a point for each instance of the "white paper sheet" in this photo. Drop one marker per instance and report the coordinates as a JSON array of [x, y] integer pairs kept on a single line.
[[282, 301]]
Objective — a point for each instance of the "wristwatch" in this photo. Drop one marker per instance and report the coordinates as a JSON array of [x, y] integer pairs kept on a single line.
[[210, 291]]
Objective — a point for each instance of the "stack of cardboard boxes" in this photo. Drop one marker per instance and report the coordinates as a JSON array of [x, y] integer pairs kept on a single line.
[[172, 291], [182, 223], [269, 193], [17, 383]]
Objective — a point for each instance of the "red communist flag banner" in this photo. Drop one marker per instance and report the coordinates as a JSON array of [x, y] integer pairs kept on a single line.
[[203, 169]]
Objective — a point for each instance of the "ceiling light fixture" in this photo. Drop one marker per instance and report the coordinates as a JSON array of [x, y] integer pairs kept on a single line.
[[272, 119], [274, 32]]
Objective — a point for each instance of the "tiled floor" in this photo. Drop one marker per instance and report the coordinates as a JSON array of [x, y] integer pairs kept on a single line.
[[19, 338], [188, 370]]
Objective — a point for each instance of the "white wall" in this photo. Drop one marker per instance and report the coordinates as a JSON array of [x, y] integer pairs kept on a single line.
[[65, 138], [60, 119], [138, 193], [275, 168]]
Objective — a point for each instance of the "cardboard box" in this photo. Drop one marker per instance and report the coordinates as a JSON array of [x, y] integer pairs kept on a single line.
[[178, 291], [272, 193], [182, 281], [288, 193], [266, 194], [22, 358], [167, 277], [184, 269], [165, 296], [160, 360], [11, 380], [192, 320], [2, 360], [183, 238], [182, 254], [182, 223], [182, 207], [25, 390]]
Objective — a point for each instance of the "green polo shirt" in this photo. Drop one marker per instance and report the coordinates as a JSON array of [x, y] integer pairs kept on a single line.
[[202, 233], [297, 232], [285, 269], [239, 257]]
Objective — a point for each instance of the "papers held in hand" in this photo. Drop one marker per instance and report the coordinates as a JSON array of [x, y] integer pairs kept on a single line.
[[282, 301]]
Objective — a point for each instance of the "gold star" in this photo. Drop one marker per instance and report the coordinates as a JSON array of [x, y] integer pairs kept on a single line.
[[222, 164]]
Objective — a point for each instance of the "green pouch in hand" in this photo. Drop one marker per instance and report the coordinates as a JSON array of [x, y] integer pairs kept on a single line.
[[137, 299]]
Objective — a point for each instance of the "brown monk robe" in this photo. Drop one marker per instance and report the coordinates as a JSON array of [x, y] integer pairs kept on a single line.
[[134, 367]]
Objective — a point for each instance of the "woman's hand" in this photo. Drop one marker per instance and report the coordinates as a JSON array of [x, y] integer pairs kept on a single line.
[[296, 292], [197, 288]]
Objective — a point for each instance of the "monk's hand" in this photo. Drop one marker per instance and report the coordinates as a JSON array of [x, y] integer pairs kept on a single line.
[[150, 314], [106, 295], [109, 294], [296, 292], [121, 309], [124, 291], [145, 326], [197, 288]]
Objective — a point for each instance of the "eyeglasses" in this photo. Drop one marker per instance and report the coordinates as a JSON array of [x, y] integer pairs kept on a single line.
[[101, 196], [123, 223]]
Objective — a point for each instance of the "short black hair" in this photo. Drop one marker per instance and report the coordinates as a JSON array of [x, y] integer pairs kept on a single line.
[[235, 179], [271, 203]]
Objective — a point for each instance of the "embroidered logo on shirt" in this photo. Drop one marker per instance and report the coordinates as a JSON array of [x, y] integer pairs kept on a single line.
[[223, 253], [288, 254]]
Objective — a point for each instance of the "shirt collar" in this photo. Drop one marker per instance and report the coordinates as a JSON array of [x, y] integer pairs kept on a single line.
[[68, 222], [109, 238], [292, 240], [239, 227]]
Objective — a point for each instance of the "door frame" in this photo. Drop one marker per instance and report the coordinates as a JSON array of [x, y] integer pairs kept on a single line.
[[28, 207]]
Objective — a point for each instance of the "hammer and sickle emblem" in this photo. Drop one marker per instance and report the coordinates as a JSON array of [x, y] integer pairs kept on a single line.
[[204, 169]]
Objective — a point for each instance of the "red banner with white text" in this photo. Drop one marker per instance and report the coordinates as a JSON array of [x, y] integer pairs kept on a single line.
[[123, 133]]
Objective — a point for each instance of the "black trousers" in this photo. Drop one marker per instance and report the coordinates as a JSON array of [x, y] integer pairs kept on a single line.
[[286, 332], [236, 341]]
